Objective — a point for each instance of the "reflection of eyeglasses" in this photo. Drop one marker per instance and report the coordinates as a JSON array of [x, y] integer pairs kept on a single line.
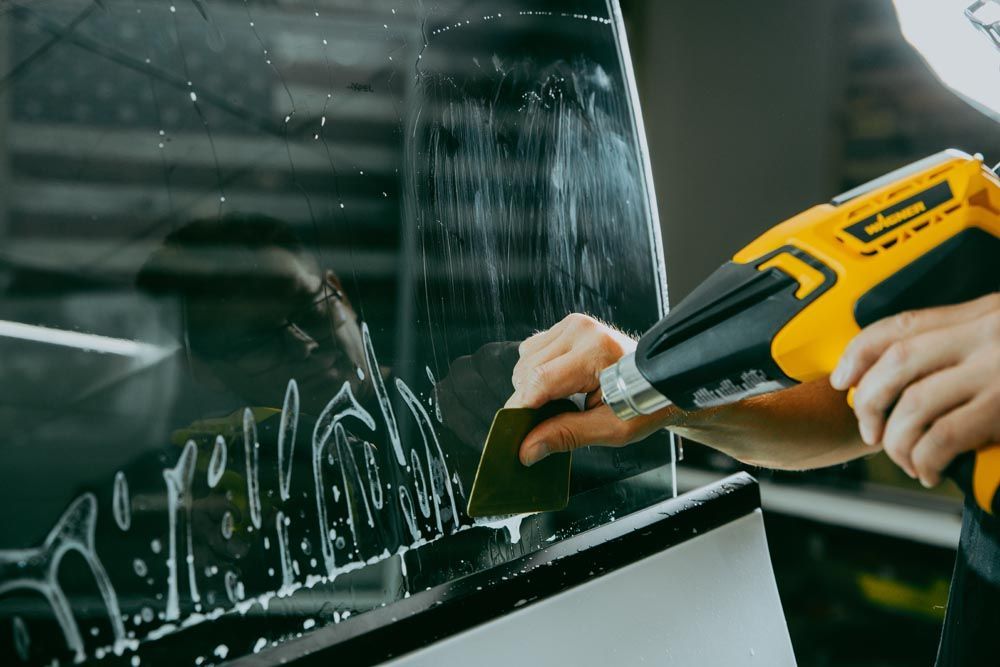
[[314, 320], [985, 15]]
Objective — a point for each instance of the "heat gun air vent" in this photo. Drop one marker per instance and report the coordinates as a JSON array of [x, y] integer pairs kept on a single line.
[[905, 231]]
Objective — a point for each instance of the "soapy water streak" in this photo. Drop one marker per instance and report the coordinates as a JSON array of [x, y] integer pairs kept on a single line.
[[22, 640], [420, 484], [349, 471], [281, 528], [429, 436], [286, 437], [374, 478], [251, 450], [341, 406], [37, 568], [217, 464], [178, 480], [383, 396]]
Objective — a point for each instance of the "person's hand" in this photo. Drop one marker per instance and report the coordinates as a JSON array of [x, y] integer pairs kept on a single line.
[[565, 360], [927, 384]]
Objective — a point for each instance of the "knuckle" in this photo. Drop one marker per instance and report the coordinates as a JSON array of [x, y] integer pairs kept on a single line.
[[898, 353], [861, 346], [608, 346], [905, 321], [539, 376], [564, 438]]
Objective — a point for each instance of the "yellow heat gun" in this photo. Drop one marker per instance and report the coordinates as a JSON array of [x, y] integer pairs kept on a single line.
[[786, 306]]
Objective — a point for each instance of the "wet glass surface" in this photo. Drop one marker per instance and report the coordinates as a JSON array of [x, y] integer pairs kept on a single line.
[[263, 270]]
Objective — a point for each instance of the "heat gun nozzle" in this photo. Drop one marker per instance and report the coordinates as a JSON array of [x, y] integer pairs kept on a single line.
[[627, 392]]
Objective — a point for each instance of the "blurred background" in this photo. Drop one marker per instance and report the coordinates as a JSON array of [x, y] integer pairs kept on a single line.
[[753, 113]]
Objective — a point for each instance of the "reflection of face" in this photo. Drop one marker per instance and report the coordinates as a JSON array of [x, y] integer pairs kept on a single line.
[[301, 327]]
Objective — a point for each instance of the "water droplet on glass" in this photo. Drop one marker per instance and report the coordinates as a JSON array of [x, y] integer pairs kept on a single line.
[[227, 525], [173, 10], [222, 198], [194, 97], [156, 546], [340, 543], [139, 565], [22, 640]]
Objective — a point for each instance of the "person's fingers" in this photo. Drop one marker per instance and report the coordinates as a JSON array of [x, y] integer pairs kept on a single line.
[[919, 406], [903, 363], [527, 364], [543, 338], [866, 348], [566, 361], [572, 430], [561, 377], [969, 426]]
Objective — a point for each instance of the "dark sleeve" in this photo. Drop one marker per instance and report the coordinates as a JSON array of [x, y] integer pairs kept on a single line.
[[971, 634]]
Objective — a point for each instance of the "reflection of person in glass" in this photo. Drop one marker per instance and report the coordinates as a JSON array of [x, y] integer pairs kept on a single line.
[[259, 310]]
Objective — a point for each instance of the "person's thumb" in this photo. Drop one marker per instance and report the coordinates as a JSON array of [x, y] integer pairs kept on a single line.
[[572, 430]]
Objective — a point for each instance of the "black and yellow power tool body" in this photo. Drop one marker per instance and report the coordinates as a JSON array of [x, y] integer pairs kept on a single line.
[[784, 309]]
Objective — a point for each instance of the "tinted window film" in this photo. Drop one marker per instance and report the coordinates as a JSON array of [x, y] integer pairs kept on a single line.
[[263, 271]]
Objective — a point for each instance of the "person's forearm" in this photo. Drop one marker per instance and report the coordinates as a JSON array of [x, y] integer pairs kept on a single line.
[[807, 426]]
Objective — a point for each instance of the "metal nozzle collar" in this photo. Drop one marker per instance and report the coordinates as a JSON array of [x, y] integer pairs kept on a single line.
[[627, 392]]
